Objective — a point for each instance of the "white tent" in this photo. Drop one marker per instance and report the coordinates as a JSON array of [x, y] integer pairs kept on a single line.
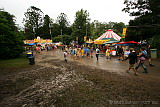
[[109, 34]]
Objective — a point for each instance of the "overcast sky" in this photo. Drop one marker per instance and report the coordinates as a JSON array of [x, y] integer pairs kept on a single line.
[[101, 10]]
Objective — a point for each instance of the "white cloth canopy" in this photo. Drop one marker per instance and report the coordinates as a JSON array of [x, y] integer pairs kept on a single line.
[[109, 34]]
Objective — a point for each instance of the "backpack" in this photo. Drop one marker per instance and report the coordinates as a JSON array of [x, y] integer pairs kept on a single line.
[[144, 53]]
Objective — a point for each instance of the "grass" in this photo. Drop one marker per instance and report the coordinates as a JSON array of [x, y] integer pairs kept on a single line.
[[20, 62], [10, 66]]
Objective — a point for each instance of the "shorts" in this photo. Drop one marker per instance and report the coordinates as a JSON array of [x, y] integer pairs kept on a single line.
[[131, 66], [120, 54]]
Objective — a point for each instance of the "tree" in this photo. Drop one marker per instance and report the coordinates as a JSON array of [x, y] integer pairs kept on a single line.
[[147, 21], [66, 39], [118, 27], [81, 25], [45, 30], [63, 23], [33, 21], [11, 44]]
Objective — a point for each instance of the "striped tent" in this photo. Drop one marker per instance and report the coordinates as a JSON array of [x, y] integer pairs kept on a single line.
[[109, 34]]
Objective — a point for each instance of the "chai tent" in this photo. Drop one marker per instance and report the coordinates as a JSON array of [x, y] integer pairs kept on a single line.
[[108, 34]]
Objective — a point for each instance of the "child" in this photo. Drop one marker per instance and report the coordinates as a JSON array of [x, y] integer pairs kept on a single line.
[[65, 56], [132, 60]]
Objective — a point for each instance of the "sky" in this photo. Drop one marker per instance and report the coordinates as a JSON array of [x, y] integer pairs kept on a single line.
[[101, 10]]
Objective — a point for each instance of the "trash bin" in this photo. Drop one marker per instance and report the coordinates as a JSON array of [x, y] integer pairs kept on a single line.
[[29, 54], [31, 60], [153, 53]]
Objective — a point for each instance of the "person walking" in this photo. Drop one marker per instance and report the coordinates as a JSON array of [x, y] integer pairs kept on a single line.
[[132, 60], [97, 53], [65, 55], [142, 58]]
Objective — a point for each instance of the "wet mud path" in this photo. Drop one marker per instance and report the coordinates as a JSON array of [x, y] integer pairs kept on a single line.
[[54, 83]]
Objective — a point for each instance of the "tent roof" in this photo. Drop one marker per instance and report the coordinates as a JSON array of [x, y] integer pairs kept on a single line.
[[109, 34]]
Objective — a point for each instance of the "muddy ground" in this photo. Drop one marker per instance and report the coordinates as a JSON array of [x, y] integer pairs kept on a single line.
[[53, 83]]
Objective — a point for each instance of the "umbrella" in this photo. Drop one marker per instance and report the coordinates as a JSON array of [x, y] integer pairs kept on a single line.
[[111, 42], [128, 43]]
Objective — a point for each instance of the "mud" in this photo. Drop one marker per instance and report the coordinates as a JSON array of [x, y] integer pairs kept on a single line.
[[55, 83]]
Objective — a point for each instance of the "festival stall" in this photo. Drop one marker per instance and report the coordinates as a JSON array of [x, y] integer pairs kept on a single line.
[[36, 41]]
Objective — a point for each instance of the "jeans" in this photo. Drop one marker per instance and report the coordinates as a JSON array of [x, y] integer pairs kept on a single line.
[[97, 56], [141, 64]]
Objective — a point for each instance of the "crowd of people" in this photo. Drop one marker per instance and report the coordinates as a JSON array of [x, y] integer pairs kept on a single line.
[[122, 53]]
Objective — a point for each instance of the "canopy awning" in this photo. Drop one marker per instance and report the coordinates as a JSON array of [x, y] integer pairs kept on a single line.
[[105, 41], [127, 43], [109, 34]]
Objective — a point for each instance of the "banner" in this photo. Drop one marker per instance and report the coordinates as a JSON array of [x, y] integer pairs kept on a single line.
[[124, 32]]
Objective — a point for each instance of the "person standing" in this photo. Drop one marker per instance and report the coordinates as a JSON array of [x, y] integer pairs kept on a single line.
[[82, 52], [108, 54], [142, 58], [91, 54], [97, 53], [149, 55], [120, 53], [132, 60]]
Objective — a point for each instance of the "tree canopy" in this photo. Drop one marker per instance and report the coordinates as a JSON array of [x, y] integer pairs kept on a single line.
[[11, 44], [80, 25], [147, 19], [33, 21]]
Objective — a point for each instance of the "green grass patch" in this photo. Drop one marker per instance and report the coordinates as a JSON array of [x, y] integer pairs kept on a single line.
[[20, 62]]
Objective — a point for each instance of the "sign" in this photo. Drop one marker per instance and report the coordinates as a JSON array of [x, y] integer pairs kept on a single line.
[[124, 32]]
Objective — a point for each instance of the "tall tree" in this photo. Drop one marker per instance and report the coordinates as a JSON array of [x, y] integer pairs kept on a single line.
[[63, 23], [45, 30], [33, 20], [80, 25], [11, 44]]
